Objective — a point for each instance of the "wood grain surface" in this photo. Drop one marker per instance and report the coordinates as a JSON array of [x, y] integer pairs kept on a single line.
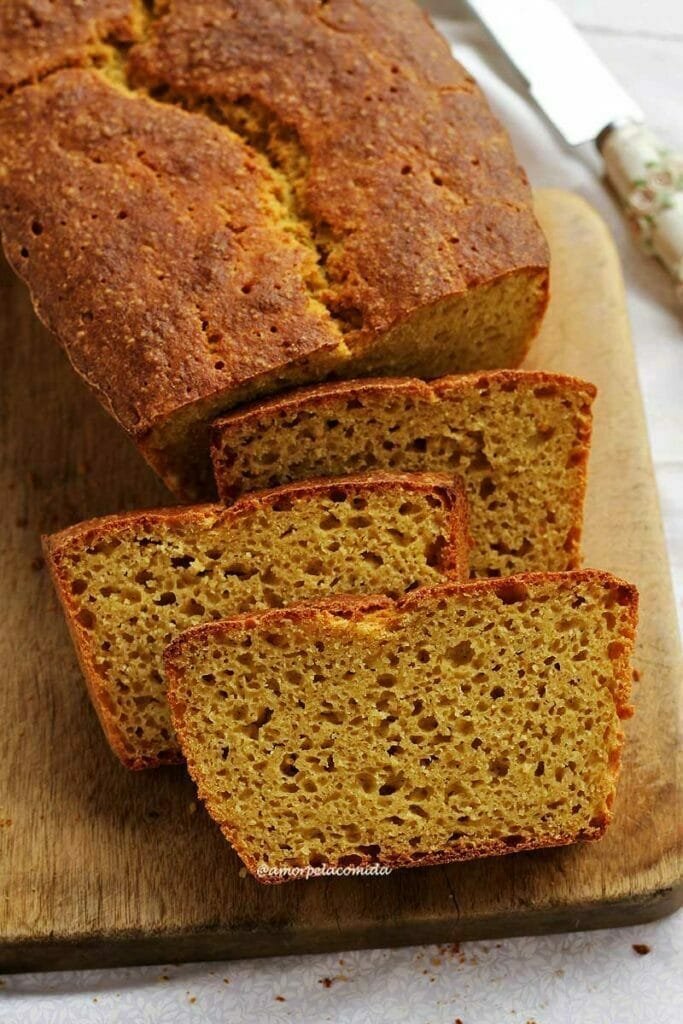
[[99, 866]]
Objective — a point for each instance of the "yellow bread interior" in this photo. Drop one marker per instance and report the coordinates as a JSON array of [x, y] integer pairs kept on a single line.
[[520, 440], [130, 583], [464, 720]]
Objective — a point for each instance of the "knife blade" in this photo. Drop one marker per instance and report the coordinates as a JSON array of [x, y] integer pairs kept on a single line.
[[585, 103]]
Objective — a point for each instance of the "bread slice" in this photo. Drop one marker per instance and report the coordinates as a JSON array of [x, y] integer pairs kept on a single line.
[[461, 721], [130, 583], [520, 440], [212, 202]]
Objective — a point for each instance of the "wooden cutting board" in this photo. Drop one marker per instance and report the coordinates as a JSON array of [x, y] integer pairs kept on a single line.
[[99, 866]]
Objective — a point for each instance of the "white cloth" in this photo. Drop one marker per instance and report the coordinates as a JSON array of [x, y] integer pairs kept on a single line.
[[595, 978]]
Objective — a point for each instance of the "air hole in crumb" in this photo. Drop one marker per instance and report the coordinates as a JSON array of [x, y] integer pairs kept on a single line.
[[512, 592], [86, 618], [288, 767], [371, 851], [461, 654], [486, 487], [513, 840], [178, 562], [434, 551]]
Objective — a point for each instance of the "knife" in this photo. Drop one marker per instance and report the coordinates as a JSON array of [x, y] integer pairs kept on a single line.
[[585, 103]]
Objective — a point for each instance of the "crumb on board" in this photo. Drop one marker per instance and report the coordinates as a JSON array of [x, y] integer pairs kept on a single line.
[[192, 808], [636, 675], [454, 952], [37, 563], [280, 999], [328, 982], [640, 948]]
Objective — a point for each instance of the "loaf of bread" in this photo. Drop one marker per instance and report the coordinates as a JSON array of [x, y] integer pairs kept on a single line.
[[520, 440], [129, 583], [217, 202], [461, 721]]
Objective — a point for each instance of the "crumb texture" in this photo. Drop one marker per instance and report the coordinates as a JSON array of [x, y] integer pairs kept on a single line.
[[520, 440], [468, 720], [201, 223], [130, 584]]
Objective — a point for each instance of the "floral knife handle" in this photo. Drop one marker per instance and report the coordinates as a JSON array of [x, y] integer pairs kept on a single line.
[[649, 181]]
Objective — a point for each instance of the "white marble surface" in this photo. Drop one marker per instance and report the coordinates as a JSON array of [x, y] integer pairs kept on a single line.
[[595, 978]]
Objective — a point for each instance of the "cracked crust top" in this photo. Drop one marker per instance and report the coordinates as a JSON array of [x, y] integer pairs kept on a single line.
[[150, 241], [39, 36], [405, 174], [284, 227]]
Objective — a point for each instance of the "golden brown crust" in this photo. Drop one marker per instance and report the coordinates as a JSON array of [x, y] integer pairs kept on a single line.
[[428, 390], [412, 176], [184, 272], [450, 489], [453, 559], [494, 848], [386, 612], [146, 240], [39, 36], [316, 395]]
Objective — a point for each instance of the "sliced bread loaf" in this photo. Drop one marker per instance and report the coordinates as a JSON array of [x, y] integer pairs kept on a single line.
[[130, 583], [461, 721], [520, 440], [213, 201]]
